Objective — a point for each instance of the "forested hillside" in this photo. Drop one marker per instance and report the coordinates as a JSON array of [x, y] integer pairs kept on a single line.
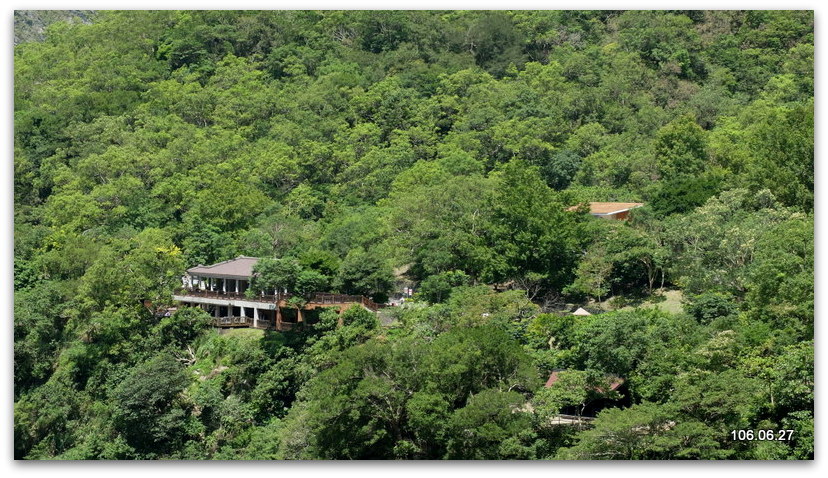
[[30, 25], [445, 149]]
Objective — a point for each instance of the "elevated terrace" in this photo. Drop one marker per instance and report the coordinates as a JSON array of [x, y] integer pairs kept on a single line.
[[223, 290]]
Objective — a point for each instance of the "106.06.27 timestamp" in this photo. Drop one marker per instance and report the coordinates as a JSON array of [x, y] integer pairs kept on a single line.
[[763, 435]]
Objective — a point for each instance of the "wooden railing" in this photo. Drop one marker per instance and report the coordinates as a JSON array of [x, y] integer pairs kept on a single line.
[[317, 298], [249, 322], [562, 419], [233, 321], [328, 298], [262, 324]]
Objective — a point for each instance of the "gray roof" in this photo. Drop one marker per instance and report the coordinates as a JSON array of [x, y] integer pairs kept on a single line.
[[238, 268]]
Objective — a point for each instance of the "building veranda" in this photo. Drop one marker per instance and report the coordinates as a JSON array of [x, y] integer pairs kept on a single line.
[[224, 291]]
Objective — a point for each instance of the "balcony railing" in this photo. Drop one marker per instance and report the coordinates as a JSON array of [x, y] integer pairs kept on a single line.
[[327, 298], [211, 294], [249, 322], [317, 298], [233, 321]]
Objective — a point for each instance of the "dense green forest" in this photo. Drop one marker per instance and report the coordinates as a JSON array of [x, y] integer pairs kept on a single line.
[[361, 148]]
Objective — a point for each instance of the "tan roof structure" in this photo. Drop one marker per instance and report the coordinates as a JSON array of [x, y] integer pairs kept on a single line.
[[581, 311], [608, 208], [238, 268]]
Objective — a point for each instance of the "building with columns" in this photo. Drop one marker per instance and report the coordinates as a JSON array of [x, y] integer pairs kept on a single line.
[[222, 290]]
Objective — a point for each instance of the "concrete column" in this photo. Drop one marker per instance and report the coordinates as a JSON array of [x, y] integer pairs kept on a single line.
[[212, 285], [215, 311], [223, 286], [237, 286], [278, 317], [255, 316], [299, 318]]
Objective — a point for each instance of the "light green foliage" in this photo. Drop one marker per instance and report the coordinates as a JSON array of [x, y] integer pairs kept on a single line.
[[145, 267], [621, 259], [636, 344], [780, 282], [438, 216], [592, 274], [270, 275], [680, 148], [647, 431], [713, 246]]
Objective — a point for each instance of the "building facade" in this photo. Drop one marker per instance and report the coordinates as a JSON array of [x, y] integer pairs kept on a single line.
[[224, 291]]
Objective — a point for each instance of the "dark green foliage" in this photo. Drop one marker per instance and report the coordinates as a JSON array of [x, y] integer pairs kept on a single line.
[[488, 427], [38, 327], [494, 42], [372, 405], [531, 234], [287, 273], [365, 273], [664, 40], [183, 327], [710, 306], [437, 288], [784, 161], [684, 194], [147, 406], [561, 169]]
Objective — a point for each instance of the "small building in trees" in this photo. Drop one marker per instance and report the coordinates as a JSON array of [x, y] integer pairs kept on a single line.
[[225, 291], [581, 312], [609, 210], [588, 394]]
